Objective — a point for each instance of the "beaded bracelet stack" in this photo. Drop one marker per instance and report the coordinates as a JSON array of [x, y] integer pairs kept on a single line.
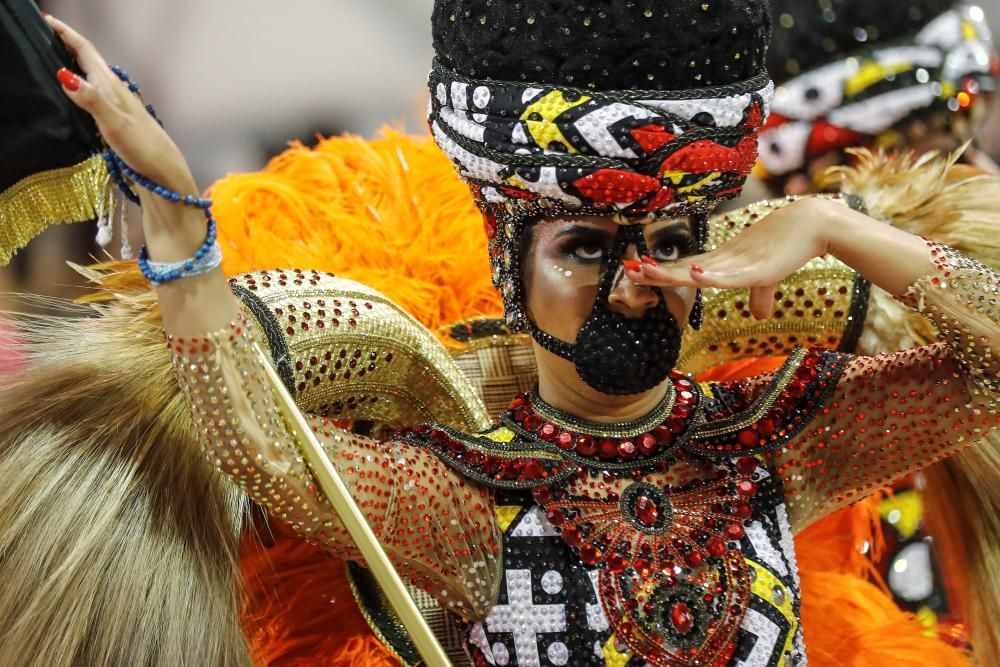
[[208, 256]]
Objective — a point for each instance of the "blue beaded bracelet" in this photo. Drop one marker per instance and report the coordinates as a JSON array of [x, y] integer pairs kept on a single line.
[[113, 161], [118, 169], [134, 87], [207, 257]]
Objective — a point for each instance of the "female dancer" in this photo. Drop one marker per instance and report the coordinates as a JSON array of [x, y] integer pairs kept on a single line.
[[620, 513]]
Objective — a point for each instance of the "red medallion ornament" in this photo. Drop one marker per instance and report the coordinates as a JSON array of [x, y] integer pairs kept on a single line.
[[672, 576]]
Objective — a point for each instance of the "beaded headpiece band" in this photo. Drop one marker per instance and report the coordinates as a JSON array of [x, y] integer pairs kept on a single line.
[[855, 100], [529, 151]]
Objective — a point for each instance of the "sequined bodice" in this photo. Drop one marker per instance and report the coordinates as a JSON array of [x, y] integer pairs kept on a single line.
[[678, 527], [549, 610], [665, 538]]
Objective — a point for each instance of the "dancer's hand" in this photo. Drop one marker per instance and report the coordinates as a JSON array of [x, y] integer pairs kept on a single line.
[[120, 115], [780, 244], [172, 232]]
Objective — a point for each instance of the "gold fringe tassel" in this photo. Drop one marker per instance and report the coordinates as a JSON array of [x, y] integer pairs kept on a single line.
[[65, 195]]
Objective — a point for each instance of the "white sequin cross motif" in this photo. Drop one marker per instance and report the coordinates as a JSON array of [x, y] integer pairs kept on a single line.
[[525, 619]]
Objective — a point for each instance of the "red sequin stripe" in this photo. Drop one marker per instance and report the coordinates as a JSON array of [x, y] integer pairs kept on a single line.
[[815, 376], [508, 471]]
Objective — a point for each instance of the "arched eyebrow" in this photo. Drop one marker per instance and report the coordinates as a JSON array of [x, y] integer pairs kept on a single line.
[[581, 228], [670, 232]]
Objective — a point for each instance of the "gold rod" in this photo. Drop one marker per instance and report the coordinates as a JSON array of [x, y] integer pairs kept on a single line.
[[338, 495]]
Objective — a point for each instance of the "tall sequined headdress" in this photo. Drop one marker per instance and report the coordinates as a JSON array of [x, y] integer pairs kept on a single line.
[[539, 127], [850, 72]]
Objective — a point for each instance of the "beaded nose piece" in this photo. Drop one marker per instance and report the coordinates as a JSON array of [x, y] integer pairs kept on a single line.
[[615, 354]]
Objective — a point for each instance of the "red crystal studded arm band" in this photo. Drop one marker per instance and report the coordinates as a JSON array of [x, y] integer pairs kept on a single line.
[[438, 528], [887, 417], [893, 414]]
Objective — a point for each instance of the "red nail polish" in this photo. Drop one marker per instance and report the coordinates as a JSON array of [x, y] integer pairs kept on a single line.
[[46, 14], [696, 268], [646, 259], [632, 264], [69, 80]]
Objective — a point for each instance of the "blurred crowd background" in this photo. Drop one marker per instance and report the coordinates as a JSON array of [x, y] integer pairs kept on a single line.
[[235, 80]]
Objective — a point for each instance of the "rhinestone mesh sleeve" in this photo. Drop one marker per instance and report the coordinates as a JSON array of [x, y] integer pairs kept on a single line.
[[893, 414], [436, 526], [961, 300]]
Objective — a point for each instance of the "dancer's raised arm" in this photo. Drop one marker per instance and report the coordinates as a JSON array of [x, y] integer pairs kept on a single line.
[[883, 417], [439, 529], [172, 232]]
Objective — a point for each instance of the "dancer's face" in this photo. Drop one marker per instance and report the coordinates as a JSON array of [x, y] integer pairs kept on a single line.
[[565, 259]]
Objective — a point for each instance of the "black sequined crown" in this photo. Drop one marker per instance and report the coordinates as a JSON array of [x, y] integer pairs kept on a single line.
[[604, 44]]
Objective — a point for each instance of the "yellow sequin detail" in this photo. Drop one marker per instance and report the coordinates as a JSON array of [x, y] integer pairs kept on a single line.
[[705, 182], [969, 32], [928, 618], [505, 515], [904, 510], [545, 131], [502, 434], [870, 74], [612, 658], [674, 177], [764, 587], [516, 181]]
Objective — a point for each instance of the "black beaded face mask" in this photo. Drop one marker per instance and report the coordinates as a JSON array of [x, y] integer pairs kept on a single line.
[[615, 354]]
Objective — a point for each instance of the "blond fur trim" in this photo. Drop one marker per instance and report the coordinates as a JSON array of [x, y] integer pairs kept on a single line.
[[118, 540], [931, 196], [959, 206]]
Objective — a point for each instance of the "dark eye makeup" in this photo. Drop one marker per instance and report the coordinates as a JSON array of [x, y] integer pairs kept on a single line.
[[671, 242], [585, 245], [589, 245]]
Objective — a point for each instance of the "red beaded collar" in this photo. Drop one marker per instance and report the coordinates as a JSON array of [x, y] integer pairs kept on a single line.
[[534, 444], [612, 445]]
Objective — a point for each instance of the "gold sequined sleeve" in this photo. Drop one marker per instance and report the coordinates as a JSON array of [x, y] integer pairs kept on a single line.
[[436, 526], [892, 414]]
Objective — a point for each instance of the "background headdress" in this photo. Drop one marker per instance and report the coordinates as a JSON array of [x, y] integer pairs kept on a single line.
[[51, 169], [538, 127], [848, 72]]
